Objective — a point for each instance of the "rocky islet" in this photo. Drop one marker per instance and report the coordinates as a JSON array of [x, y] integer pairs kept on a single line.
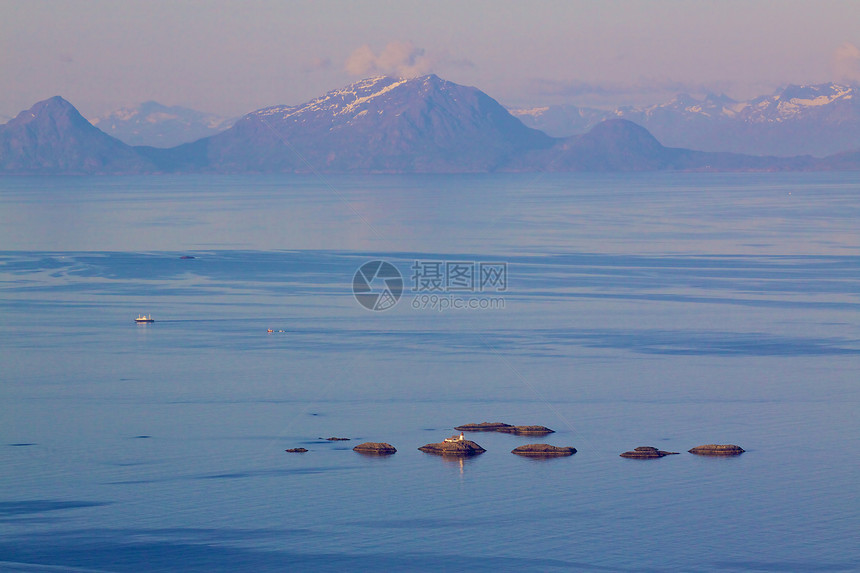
[[505, 429], [458, 446], [454, 446], [543, 451], [646, 453], [375, 448], [717, 450]]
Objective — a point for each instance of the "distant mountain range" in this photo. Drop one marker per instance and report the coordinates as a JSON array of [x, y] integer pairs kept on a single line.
[[817, 120], [52, 137], [157, 125], [383, 124], [380, 124]]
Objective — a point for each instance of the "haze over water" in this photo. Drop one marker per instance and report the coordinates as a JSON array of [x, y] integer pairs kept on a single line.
[[669, 310]]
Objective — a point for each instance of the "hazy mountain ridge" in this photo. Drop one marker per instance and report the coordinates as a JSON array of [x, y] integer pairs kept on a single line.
[[157, 125], [819, 120], [52, 137], [382, 124]]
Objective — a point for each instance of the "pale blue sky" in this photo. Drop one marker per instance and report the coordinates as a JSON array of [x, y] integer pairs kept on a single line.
[[233, 57]]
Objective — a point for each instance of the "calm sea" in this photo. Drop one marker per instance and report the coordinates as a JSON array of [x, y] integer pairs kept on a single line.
[[667, 310]]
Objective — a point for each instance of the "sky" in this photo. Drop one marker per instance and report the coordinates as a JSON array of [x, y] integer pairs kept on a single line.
[[230, 57]]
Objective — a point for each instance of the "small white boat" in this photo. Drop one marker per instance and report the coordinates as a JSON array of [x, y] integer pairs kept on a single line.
[[141, 318]]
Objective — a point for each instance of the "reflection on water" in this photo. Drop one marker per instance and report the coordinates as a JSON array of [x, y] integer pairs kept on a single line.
[[488, 214]]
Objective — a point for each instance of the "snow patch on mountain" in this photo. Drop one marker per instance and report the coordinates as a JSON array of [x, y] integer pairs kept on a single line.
[[361, 100], [336, 102], [796, 102], [530, 112]]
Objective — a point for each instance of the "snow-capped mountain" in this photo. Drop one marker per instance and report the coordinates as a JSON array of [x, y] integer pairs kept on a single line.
[[377, 124], [711, 107], [825, 102], [795, 120], [152, 123], [419, 125]]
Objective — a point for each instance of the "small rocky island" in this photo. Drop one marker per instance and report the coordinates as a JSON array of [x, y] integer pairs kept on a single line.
[[527, 430], [296, 450], [375, 448], [543, 451], [483, 427], [505, 428], [646, 453], [334, 439], [717, 450], [454, 446]]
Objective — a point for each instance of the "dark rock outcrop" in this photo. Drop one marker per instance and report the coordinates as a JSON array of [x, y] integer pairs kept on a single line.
[[505, 428], [333, 439], [527, 430], [543, 451], [296, 450], [646, 453], [461, 448], [483, 427], [375, 448], [717, 450]]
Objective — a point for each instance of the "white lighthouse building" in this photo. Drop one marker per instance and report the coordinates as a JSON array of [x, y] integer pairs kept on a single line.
[[459, 438]]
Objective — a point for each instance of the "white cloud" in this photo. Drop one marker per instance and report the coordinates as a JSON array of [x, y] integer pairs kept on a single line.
[[398, 58], [360, 61], [846, 62]]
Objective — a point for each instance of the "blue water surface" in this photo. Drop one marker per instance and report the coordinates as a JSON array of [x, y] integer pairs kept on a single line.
[[669, 310]]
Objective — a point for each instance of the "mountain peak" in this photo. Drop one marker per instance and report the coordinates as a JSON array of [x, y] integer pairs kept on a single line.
[[57, 100], [407, 125], [813, 91], [618, 128], [51, 109], [54, 103], [683, 100], [355, 97], [796, 119], [623, 137], [52, 136], [719, 99], [382, 123]]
